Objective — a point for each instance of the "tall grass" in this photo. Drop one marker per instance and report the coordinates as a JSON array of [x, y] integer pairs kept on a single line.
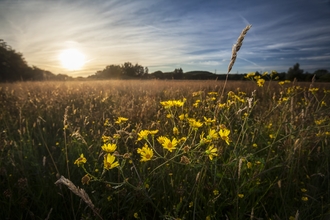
[[274, 166]]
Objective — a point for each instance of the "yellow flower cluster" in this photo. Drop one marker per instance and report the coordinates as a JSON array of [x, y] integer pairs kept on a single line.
[[144, 134], [172, 103]]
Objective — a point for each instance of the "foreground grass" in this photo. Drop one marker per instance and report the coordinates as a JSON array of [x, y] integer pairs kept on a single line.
[[165, 149]]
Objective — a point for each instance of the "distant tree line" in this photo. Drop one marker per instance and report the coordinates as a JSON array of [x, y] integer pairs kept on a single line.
[[13, 67]]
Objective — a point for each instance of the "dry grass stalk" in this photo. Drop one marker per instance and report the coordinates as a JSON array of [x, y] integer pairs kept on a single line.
[[234, 50], [237, 47], [79, 192]]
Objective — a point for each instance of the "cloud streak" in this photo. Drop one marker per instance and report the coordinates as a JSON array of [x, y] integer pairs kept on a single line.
[[165, 35]]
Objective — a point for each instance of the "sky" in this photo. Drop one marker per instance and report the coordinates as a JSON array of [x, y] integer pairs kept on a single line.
[[169, 34]]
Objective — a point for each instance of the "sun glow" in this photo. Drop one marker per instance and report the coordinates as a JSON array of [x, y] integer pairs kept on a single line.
[[72, 59]]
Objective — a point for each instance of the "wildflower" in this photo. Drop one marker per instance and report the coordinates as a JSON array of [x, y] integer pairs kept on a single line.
[[171, 103], [81, 160], [195, 124], [323, 103], [222, 105], [212, 93], [143, 134], [153, 132], [136, 215], [304, 198], [181, 117], [175, 131], [121, 120], [109, 148], [145, 152], [212, 135], [224, 134], [211, 152], [240, 195], [109, 162], [215, 192], [191, 204], [254, 145], [208, 121], [196, 103], [272, 136], [313, 90], [249, 165], [169, 116], [105, 138], [249, 75], [303, 190], [281, 83], [167, 143], [319, 122], [261, 82], [116, 136], [106, 123]]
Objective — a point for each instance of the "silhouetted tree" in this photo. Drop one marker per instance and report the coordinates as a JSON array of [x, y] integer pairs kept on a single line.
[[178, 74], [13, 67], [111, 71], [295, 72]]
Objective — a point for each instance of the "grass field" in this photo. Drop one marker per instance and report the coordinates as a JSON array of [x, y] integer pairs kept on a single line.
[[164, 150]]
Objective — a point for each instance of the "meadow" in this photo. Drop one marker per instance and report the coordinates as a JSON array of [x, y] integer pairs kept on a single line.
[[152, 149]]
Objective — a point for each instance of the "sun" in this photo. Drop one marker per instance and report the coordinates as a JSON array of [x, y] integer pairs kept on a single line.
[[72, 59]]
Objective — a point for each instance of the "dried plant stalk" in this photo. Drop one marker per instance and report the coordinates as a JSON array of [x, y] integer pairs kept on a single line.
[[79, 192], [237, 47]]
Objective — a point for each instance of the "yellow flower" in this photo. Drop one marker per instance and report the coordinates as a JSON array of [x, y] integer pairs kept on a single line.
[[109, 148], [249, 165], [313, 90], [171, 103], [136, 215], [208, 121], [304, 198], [181, 117], [153, 132], [109, 162], [224, 134], [303, 190], [146, 153], [121, 120], [81, 160], [105, 138], [222, 105], [261, 82], [255, 145], [167, 143], [176, 131], [215, 192], [212, 135], [240, 195], [249, 75], [195, 124], [143, 134], [211, 152]]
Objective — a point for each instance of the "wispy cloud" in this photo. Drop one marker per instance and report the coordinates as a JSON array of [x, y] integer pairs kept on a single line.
[[164, 35]]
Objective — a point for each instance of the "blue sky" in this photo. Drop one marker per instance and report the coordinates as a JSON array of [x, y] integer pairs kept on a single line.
[[168, 34]]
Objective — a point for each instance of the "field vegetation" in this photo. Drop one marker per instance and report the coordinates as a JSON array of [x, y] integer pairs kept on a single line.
[[151, 149]]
